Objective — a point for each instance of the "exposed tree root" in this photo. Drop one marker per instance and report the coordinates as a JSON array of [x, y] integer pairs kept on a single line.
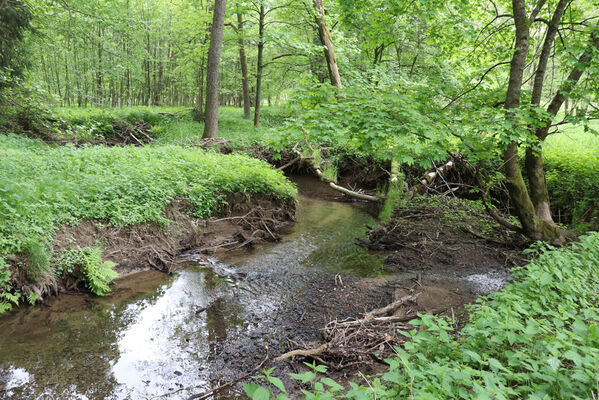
[[354, 341]]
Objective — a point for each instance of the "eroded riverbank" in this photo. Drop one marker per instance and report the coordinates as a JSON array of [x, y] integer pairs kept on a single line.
[[213, 320]]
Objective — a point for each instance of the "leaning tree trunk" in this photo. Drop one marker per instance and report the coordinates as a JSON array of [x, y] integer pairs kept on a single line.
[[244, 68], [212, 73], [259, 66], [534, 160], [327, 42]]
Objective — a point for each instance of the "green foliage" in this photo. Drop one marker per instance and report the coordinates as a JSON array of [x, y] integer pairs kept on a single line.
[[382, 124], [100, 123], [538, 338], [85, 264], [573, 154], [15, 18], [42, 188], [7, 299], [97, 272]]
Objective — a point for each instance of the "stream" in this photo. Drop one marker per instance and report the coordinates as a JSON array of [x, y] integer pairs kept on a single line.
[[176, 335]]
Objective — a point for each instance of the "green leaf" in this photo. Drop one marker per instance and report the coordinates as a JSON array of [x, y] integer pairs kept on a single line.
[[277, 383]]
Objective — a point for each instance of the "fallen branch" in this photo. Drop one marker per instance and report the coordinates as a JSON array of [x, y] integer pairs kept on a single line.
[[346, 191], [211, 392], [305, 353], [428, 178], [332, 184], [290, 163]]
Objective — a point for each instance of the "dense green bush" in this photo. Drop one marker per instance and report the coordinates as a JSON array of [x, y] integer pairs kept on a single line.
[[538, 338], [100, 123], [380, 124], [42, 188]]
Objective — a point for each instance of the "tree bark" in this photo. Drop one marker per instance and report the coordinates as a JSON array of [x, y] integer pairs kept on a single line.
[[532, 226], [212, 73], [259, 66], [534, 158], [515, 182], [327, 42], [244, 68]]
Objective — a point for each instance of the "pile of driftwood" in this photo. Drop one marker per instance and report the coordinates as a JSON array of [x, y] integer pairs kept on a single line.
[[355, 341], [136, 133]]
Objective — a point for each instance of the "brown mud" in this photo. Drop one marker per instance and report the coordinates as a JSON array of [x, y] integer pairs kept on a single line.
[[435, 254]]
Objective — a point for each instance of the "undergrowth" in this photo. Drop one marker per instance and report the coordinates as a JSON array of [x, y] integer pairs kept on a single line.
[[43, 188], [538, 338], [86, 265], [575, 154], [100, 123]]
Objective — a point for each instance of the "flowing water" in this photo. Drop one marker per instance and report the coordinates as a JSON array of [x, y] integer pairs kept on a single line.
[[157, 334]]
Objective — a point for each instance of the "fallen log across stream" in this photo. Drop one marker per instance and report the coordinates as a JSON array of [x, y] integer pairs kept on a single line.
[[420, 188]]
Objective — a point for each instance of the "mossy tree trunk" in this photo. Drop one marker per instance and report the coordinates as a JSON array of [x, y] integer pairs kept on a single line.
[[532, 225], [532, 205]]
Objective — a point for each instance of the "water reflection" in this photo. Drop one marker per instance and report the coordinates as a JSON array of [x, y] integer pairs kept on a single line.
[[156, 334]]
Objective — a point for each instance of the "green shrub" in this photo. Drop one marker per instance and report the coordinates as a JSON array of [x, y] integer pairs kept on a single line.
[[99, 123], [7, 299], [98, 273], [358, 121], [538, 338]]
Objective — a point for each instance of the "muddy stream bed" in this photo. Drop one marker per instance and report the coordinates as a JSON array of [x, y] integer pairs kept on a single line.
[[214, 319]]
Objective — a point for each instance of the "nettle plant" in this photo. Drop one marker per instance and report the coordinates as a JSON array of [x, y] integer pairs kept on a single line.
[[538, 338]]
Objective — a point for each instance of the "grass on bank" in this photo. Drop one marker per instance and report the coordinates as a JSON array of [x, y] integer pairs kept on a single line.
[[43, 188], [538, 338], [572, 170]]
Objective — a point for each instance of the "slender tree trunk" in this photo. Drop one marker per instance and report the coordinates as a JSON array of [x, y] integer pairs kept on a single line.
[[244, 68], [212, 78], [99, 77], [327, 42], [259, 66], [534, 158]]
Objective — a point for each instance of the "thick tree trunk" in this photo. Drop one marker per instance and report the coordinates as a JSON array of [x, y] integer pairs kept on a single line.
[[532, 226], [212, 73], [244, 68], [519, 195], [259, 67], [327, 42]]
